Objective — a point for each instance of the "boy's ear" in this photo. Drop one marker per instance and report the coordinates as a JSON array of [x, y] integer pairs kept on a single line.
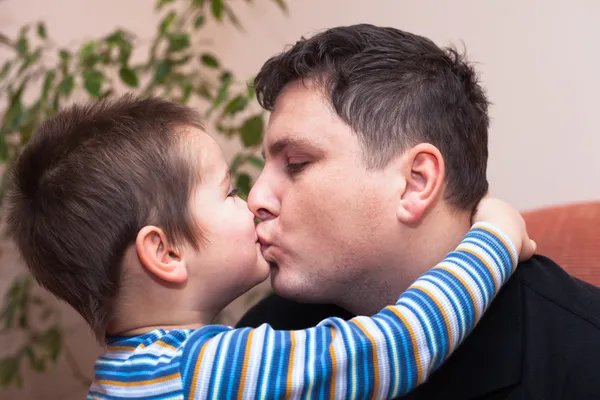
[[159, 256], [423, 172]]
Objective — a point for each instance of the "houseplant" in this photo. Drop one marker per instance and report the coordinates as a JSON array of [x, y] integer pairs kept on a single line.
[[40, 77]]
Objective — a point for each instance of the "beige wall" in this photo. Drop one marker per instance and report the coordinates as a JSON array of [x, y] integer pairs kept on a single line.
[[537, 58]]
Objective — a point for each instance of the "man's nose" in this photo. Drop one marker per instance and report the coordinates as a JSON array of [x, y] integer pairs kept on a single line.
[[262, 201]]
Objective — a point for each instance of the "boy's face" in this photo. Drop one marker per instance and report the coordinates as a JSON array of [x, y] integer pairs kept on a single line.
[[229, 258]]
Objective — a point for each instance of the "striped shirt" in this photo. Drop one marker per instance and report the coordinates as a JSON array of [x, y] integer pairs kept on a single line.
[[377, 357]]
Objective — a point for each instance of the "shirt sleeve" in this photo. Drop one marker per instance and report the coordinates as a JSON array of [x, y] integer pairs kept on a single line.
[[383, 356]]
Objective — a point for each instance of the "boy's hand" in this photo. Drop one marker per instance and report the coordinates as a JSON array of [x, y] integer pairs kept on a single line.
[[509, 220]]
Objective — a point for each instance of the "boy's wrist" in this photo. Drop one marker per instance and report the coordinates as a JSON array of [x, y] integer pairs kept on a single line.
[[502, 236]]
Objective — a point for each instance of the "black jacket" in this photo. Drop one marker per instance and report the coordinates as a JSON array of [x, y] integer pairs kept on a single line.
[[540, 339]]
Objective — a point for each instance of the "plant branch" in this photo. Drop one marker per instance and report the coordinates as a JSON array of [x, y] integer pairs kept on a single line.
[[75, 368]]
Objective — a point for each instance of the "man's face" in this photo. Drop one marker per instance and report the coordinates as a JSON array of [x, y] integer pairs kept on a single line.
[[327, 222]]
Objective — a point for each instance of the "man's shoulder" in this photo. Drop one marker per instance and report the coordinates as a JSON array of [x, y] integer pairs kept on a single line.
[[551, 288]]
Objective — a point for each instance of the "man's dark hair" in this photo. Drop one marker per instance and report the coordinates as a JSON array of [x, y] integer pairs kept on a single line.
[[90, 178], [395, 89]]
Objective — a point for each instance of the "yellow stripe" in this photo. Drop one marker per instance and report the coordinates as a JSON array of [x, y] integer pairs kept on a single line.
[[333, 365], [245, 366], [375, 358], [441, 308], [473, 298], [197, 371], [496, 283], [160, 343], [288, 391], [500, 238], [120, 348], [413, 339], [139, 383]]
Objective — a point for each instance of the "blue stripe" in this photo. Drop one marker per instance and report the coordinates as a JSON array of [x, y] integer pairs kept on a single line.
[[264, 368], [437, 323], [234, 361], [461, 301], [503, 252], [479, 274], [213, 385], [456, 302], [125, 373]]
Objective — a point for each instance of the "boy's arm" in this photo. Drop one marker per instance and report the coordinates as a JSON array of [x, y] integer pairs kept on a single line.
[[384, 356]]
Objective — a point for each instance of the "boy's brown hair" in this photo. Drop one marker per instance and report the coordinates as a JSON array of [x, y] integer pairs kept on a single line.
[[87, 182]]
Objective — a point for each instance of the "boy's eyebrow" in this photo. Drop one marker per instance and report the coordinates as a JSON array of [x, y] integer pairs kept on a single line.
[[226, 178]]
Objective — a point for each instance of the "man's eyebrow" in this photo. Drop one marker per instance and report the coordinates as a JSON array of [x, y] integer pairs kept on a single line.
[[280, 145]]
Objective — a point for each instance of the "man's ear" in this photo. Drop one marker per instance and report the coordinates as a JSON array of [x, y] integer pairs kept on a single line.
[[159, 256], [423, 170]]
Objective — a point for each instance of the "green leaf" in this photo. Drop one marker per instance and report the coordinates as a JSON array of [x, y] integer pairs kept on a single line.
[[232, 17], [41, 30], [251, 91], [258, 162], [93, 81], [48, 82], [199, 21], [252, 130], [3, 149], [51, 340], [244, 184], [222, 94], [30, 59], [178, 41], [226, 78], [209, 60], [5, 69], [186, 88], [124, 54], [167, 22], [88, 50], [162, 70], [9, 371], [22, 46], [36, 363], [161, 3], [65, 55], [66, 85], [235, 105], [282, 5], [128, 76], [216, 8], [180, 61]]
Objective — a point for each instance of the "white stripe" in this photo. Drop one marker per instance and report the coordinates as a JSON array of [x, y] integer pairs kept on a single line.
[[341, 358], [219, 370], [420, 338], [254, 359], [383, 358], [173, 385], [446, 306], [270, 334], [298, 363], [392, 328], [461, 313], [466, 277], [206, 366], [487, 258]]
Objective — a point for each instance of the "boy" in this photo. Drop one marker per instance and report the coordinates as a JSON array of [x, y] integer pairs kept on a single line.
[[124, 209]]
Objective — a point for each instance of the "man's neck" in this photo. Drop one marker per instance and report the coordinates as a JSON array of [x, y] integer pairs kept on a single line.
[[426, 246]]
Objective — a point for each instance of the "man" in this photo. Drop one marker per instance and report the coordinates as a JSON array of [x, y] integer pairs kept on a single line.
[[375, 157]]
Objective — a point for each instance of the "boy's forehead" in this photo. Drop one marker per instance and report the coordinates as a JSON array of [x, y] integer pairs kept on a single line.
[[209, 156]]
